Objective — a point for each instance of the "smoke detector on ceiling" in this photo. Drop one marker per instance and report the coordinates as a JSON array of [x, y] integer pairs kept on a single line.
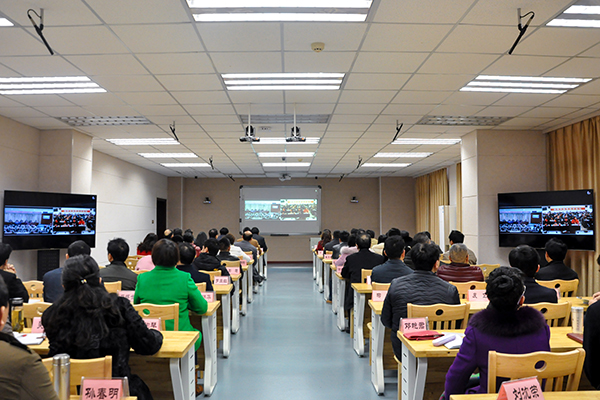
[[317, 47]]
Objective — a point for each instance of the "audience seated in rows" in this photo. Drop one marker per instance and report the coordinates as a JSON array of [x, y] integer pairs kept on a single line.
[[457, 237], [145, 248], [556, 251], [260, 239], [422, 287], [14, 284], [378, 248], [245, 245], [335, 240], [53, 287], [526, 259], [394, 267], [420, 238], [188, 237], [459, 269], [186, 257], [325, 238], [222, 232], [346, 251], [224, 250], [118, 251], [87, 322], [200, 239], [344, 235], [207, 260], [237, 251]]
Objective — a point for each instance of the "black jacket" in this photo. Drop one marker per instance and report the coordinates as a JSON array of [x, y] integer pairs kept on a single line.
[[261, 241], [363, 259], [198, 277], [536, 293], [390, 270], [206, 262], [591, 344], [556, 270], [329, 246], [15, 286]]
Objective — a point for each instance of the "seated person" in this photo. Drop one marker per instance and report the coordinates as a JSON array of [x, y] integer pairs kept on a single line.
[[344, 235], [526, 259], [504, 326], [394, 267], [145, 248], [457, 237], [118, 250], [556, 251], [459, 269], [422, 287], [378, 248], [224, 250], [207, 260], [53, 288], [144, 264], [325, 238], [186, 257], [245, 243], [346, 251], [420, 237], [87, 322], [236, 251], [591, 343], [165, 284], [335, 240], [14, 284]]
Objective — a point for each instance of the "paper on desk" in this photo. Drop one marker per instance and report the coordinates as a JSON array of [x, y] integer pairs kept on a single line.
[[455, 344], [30, 338]]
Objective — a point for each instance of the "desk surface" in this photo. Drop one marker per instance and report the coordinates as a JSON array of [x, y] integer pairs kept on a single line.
[[235, 277], [376, 306], [362, 287], [583, 395], [223, 289], [575, 301], [213, 307]]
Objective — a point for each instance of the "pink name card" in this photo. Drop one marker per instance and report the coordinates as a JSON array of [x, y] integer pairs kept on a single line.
[[378, 295], [477, 295], [320, 253], [221, 280], [408, 325], [128, 294], [327, 257], [368, 279], [557, 293], [152, 323], [209, 296], [36, 326], [339, 269], [243, 263], [234, 270], [521, 389], [95, 389]]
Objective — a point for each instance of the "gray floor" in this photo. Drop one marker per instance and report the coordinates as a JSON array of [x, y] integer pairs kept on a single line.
[[289, 347]]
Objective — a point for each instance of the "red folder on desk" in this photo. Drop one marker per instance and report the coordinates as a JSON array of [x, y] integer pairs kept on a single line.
[[423, 335], [578, 337]]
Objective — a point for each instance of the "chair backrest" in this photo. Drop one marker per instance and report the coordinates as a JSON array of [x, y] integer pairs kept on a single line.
[[487, 268], [164, 312], [364, 273], [556, 314], [212, 274], [112, 287], [32, 310], [230, 264], [201, 286], [328, 252], [92, 368], [566, 288], [35, 289], [464, 287], [561, 371], [441, 316], [131, 261], [380, 286]]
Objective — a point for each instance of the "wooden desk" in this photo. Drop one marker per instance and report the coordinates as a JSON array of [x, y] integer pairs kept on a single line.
[[360, 294], [415, 355], [475, 306], [575, 301], [326, 277], [223, 291], [209, 337], [576, 395], [340, 287]]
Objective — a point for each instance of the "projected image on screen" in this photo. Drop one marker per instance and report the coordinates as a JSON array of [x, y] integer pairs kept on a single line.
[[49, 221], [281, 210]]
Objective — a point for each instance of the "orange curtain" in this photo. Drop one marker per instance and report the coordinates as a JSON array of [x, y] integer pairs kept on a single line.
[[574, 163], [431, 192]]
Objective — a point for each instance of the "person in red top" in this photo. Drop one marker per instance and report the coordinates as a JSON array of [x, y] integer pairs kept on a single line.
[[459, 269], [325, 238]]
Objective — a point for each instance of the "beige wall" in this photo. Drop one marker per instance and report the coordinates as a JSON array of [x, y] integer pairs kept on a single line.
[[397, 207]]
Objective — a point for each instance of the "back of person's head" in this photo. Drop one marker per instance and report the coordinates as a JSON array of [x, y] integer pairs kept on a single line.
[[80, 270], [200, 239], [352, 240], [147, 243], [78, 248], [187, 253], [177, 239], [165, 253], [381, 238], [212, 246], [326, 236], [223, 231], [255, 231], [188, 237], [3, 295], [336, 234], [422, 238], [246, 228], [456, 237], [344, 235], [213, 233], [427, 234], [189, 231], [458, 253], [363, 241], [168, 233], [406, 236], [556, 249], [393, 247], [231, 238], [118, 249], [177, 232], [394, 232], [5, 250], [360, 231], [425, 256], [247, 236], [354, 231], [525, 258], [371, 233], [224, 244], [505, 288]]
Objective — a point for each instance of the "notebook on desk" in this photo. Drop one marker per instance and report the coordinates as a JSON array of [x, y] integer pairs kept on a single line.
[[578, 337]]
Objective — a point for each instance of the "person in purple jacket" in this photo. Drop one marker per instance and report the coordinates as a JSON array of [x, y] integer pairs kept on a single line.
[[504, 326]]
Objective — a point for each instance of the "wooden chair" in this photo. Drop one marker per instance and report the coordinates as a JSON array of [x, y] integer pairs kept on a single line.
[[230, 264], [464, 287], [112, 287], [441, 316], [33, 310], [164, 312], [566, 288], [201, 286], [92, 368], [556, 314], [212, 274], [561, 371], [328, 252], [487, 269], [364, 273], [380, 286], [35, 289], [131, 261]]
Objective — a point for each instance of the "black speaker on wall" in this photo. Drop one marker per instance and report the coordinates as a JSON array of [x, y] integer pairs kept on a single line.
[[47, 260]]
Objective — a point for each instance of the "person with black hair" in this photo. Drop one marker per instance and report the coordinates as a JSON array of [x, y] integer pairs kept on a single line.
[[344, 235], [212, 234], [118, 251], [9, 274], [335, 240], [371, 233], [222, 232], [504, 326], [346, 251], [200, 239], [88, 322], [422, 287], [22, 374], [178, 232], [236, 251], [556, 251], [394, 267], [187, 253], [207, 260], [224, 248], [325, 238], [260, 239], [526, 259], [246, 245], [53, 288], [177, 239], [420, 237], [456, 237], [145, 248], [591, 340]]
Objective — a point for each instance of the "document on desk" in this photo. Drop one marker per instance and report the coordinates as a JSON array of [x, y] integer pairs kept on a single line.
[[29, 338], [456, 342]]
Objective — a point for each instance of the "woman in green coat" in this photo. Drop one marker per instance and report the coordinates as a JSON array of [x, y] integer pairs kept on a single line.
[[165, 284]]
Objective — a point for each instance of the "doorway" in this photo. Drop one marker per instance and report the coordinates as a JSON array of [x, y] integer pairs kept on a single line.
[[161, 217]]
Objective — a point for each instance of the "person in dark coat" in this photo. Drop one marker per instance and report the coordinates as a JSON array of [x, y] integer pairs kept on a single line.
[[53, 288], [336, 240], [556, 251], [504, 326], [394, 267], [9, 274], [526, 259], [422, 287], [88, 322], [260, 239], [118, 251], [186, 257], [207, 260]]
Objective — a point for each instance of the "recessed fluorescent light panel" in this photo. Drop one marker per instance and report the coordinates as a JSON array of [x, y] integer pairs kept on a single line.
[[5, 22], [277, 10], [281, 140], [402, 155], [523, 84], [287, 154], [103, 121], [185, 165], [285, 165], [143, 142], [168, 155], [283, 81], [420, 141], [286, 118], [386, 165], [48, 85], [579, 15], [461, 120]]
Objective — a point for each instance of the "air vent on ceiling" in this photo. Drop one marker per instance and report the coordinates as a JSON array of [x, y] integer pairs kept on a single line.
[[96, 121], [287, 119], [462, 120]]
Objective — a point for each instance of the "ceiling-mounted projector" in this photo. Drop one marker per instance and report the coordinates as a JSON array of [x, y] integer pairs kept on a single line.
[[249, 135], [295, 136], [285, 177]]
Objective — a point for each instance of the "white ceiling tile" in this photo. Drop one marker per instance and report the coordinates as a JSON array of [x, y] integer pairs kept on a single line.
[[571, 100], [421, 97], [201, 97], [502, 111], [213, 109], [442, 63], [408, 109], [367, 96], [93, 99], [65, 111], [61, 13], [42, 123], [359, 109], [524, 99], [159, 38], [150, 11], [337, 37], [152, 110], [105, 64], [440, 82], [252, 97], [165, 120], [5, 101], [215, 119], [504, 12], [318, 62], [557, 41], [388, 62], [247, 62], [146, 98], [177, 63], [240, 36], [550, 112], [22, 112], [190, 82], [111, 110], [577, 68], [40, 66], [90, 40], [21, 42], [375, 81], [305, 96], [315, 108], [407, 37], [523, 65], [125, 83], [40, 100], [479, 39], [474, 98], [421, 11]]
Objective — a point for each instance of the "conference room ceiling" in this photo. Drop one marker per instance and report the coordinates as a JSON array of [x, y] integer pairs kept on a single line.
[[408, 61]]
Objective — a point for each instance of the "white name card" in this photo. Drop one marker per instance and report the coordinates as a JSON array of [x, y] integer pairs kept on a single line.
[[128, 294], [327, 257], [477, 295], [209, 296], [320, 253], [234, 270], [36, 326], [408, 325], [152, 323], [378, 295], [221, 280]]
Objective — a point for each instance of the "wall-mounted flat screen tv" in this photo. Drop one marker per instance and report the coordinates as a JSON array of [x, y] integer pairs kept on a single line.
[[534, 217], [41, 220]]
